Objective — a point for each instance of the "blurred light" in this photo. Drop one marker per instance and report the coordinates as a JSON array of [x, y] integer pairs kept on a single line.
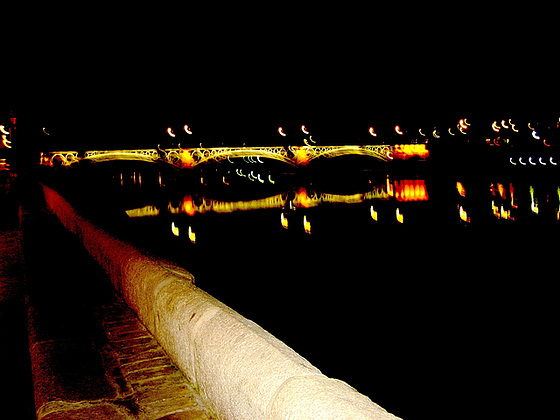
[[302, 158], [406, 151], [373, 213], [146, 211], [495, 126], [463, 124], [463, 215], [534, 201], [436, 134], [7, 143], [502, 191], [398, 130], [372, 132], [270, 179], [449, 131], [284, 221], [400, 216], [174, 229], [304, 129], [553, 163], [420, 131], [540, 160], [511, 161], [411, 190], [504, 124], [187, 161], [302, 199], [187, 129], [281, 131], [545, 143], [188, 205], [45, 131], [461, 189], [306, 224], [3, 130], [170, 132], [531, 160], [520, 161], [535, 136], [192, 235]]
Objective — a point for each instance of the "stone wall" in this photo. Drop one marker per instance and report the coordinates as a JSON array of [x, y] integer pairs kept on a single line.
[[240, 370]]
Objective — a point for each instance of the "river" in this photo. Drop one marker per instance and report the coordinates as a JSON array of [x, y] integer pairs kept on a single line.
[[427, 287]]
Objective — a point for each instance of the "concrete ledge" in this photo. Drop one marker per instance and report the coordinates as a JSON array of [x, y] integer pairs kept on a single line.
[[240, 370]]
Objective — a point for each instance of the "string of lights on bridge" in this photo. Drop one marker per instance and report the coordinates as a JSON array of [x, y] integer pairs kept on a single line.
[[497, 133]]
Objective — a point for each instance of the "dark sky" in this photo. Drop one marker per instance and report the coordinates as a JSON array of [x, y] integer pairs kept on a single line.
[[124, 78]]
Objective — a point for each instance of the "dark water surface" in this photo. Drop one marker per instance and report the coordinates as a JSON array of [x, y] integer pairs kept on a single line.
[[446, 313]]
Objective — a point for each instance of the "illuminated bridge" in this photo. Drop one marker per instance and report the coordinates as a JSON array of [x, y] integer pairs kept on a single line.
[[189, 158]]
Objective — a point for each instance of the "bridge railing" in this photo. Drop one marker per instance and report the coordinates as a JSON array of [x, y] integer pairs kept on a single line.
[[189, 158]]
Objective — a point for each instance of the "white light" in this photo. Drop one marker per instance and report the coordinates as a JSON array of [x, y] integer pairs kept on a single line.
[[3, 130], [520, 161], [187, 129], [372, 132], [511, 161], [281, 131], [304, 129], [535, 135], [552, 163], [531, 161], [170, 132], [540, 160]]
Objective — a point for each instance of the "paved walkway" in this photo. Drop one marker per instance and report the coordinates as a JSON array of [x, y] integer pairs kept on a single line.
[[87, 355]]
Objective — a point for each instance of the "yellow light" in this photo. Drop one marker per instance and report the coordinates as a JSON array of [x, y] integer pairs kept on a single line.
[[146, 211], [504, 124], [170, 132], [192, 235], [3, 130], [174, 229], [400, 217], [45, 131], [463, 215], [398, 130], [373, 213], [284, 221], [534, 201], [372, 132], [306, 224], [495, 126]]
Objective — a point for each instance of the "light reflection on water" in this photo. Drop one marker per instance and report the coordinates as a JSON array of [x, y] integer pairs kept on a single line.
[[449, 275]]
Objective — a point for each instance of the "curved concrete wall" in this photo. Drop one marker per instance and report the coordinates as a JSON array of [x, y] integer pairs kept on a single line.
[[240, 370]]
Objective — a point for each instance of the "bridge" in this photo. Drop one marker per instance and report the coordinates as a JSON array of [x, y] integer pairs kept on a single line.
[[190, 158]]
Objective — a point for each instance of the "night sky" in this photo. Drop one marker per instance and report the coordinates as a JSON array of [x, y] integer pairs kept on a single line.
[[118, 79]]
